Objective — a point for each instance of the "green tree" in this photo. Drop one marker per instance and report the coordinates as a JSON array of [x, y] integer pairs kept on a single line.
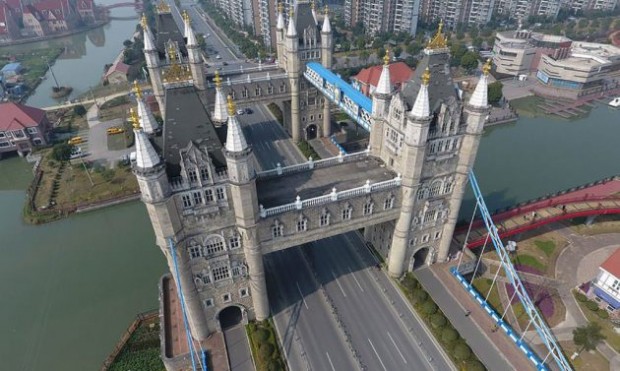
[[495, 92], [461, 351], [469, 61], [346, 46], [477, 42], [380, 53], [364, 55], [62, 151], [397, 51], [360, 42], [127, 43], [583, 23], [460, 35], [79, 110], [411, 62], [473, 33], [588, 337]]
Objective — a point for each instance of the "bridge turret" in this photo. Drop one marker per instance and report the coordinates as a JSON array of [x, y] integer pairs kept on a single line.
[[152, 63], [326, 60], [381, 98], [220, 110], [280, 26], [194, 55], [475, 114], [148, 123], [410, 168], [240, 163], [292, 69]]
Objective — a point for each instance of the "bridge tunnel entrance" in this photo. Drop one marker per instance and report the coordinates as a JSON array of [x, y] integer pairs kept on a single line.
[[418, 259], [311, 132], [230, 317]]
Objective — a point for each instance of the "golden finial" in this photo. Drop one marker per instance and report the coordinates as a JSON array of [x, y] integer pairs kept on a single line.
[[386, 57], [291, 12], [281, 7], [312, 6], [134, 119], [136, 89], [487, 67], [326, 10], [163, 7], [218, 80], [186, 17], [231, 106], [426, 76], [172, 54], [143, 22], [438, 41]]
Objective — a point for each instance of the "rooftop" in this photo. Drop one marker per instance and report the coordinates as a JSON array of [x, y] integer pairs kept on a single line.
[[612, 264], [285, 188], [187, 120], [15, 116], [399, 73], [167, 29]]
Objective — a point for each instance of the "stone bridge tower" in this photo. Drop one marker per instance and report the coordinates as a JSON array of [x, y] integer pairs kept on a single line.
[[424, 133], [305, 39]]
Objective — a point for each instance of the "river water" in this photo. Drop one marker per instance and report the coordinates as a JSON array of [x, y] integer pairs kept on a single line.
[[85, 54]]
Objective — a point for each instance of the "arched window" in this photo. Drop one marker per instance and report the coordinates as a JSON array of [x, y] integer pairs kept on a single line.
[[369, 207], [435, 188], [194, 250], [346, 212], [389, 202], [421, 193], [448, 186], [277, 230], [302, 224], [324, 218]]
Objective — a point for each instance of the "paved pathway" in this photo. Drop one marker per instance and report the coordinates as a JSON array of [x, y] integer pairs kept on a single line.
[[494, 349]]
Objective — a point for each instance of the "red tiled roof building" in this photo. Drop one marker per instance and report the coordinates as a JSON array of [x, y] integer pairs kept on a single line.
[[22, 127], [366, 81]]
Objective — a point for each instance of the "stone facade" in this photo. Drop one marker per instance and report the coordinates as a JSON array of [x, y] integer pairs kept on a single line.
[[215, 217]]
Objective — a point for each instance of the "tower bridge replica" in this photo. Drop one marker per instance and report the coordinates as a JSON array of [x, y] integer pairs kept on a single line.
[[215, 216]]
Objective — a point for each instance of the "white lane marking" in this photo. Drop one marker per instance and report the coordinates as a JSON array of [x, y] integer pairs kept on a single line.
[[355, 278], [341, 289], [375, 350], [396, 346], [330, 361], [302, 295]]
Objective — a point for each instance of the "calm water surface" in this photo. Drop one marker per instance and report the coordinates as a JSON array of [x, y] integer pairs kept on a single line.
[[85, 54], [70, 288]]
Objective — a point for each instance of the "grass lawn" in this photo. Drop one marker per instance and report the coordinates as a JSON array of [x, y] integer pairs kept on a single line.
[[115, 111], [73, 186], [547, 247], [587, 361], [612, 337], [482, 285], [602, 224], [529, 261]]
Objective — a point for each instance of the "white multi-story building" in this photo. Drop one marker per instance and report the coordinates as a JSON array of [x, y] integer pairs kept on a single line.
[[607, 282], [603, 5], [383, 15], [453, 12], [521, 9], [406, 16]]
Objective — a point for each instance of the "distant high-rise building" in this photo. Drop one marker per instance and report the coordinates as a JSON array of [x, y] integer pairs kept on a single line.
[[603, 5], [522, 9], [383, 15], [453, 12]]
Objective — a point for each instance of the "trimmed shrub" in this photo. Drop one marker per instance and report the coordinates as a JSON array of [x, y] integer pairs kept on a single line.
[[429, 307], [410, 283], [461, 351], [448, 335], [438, 320], [581, 297], [265, 350], [419, 295], [602, 313], [592, 305], [261, 335], [474, 365]]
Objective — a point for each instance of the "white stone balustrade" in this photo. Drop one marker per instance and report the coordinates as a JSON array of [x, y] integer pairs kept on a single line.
[[334, 196], [312, 164]]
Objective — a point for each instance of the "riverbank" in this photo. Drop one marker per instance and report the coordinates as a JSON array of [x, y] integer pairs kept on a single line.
[[35, 65], [56, 36]]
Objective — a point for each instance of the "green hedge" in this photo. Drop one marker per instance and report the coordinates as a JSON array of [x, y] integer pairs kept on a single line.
[[455, 346], [264, 345], [307, 150], [141, 352]]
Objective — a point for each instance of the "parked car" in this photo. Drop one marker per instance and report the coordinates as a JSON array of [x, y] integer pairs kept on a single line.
[[249, 111], [240, 112], [75, 140], [218, 57], [115, 130]]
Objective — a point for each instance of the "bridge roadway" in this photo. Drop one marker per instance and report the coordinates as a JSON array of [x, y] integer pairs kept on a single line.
[[597, 198], [303, 317]]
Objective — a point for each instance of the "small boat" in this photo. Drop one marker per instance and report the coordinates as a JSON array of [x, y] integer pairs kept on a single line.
[[615, 102]]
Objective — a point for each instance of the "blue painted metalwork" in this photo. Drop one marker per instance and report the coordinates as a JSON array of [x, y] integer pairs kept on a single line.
[[511, 274], [190, 343], [363, 105]]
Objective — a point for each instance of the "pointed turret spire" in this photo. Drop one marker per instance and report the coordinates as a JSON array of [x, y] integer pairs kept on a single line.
[[189, 32], [314, 16], [327, 27], [421, 107], [479, 98], [148, 122], [149, 44], [384, 86], [235, 140], [146, 156], [220, 113], [292, 30], [280, 25]]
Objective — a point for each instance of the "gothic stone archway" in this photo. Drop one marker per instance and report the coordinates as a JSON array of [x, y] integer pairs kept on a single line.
[[311, 132], [231, 316], [419, 258]]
